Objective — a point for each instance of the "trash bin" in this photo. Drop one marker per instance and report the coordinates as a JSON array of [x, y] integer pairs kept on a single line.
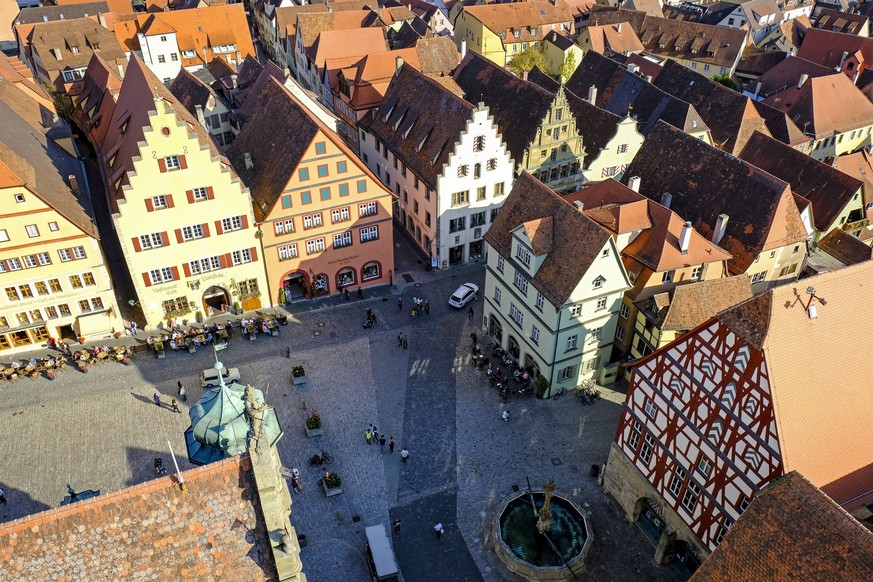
[[595, 470], [301, 539]]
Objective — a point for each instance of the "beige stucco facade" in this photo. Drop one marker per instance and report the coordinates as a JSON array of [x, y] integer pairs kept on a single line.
[[612, 160], [555, 156], [186, 227]]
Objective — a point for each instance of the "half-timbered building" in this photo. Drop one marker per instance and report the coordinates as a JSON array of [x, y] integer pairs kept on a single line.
[[769, 386]]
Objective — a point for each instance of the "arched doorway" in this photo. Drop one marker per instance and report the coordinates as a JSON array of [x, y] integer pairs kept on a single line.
[[495, 330], [513, 348], [650, 519], [346, 278], [295, 286], [686, 559], [215, 300]]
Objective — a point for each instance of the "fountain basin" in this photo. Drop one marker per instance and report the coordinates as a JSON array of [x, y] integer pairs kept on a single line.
[[524, 551]]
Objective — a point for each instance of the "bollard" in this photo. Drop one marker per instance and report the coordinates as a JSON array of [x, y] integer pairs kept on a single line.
[[288, 352]]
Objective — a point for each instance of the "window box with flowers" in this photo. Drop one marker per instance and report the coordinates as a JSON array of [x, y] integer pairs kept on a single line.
[[313, 425], [330, 483], [298, 375]]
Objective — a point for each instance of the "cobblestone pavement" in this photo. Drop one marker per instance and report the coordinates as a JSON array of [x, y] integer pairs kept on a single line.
[[100, 430]]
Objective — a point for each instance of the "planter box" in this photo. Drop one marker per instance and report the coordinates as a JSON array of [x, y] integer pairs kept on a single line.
[[252, 337], [274, 332], [161, 355], [298, 380], [192, 350], [313, 432], [330, 492]]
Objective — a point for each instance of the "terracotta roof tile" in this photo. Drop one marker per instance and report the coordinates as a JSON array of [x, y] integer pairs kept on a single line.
[[507, 18], [687, 306], [844, 247], [858, 165], [792, 531], [310, 25], [332, 44], [787, 74], [191, 91], [151, 530], [826, 48], [576, 239], [540, 231], [614, 37]]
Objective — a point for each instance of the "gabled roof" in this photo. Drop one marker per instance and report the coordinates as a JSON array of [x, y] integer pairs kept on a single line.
[[576, 239], [254, 85], [406, 123], [836, 21], [705, 182], [37, 14], [791, 531], [216, 525], [94, 99], [333, 44], [191, 91], [825, 105], [844, 247], [520, 16], [829, 189], [859, 165], [55, 42], [794, 346], [787, 36], [685, 307], [596, 126], [826, 48], [518, 106], [310, 24], [614, 37], [788, 73]]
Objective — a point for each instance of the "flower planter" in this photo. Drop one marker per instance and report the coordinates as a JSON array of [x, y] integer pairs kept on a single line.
[[313, 432], [298, 380], [161, 355], [330, 492], [192, 349]]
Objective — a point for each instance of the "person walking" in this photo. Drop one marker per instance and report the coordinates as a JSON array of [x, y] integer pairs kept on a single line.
[[426, 307], [375, 434], [295, 484], [438, 528], [505, 415], [3, 501], [175, 406], [369, 436], [404, 454], [400, 304], [405, 342], [382, 443], [133, 330], [360, 292], [470, 313], [391, 445], [183, 393], [346, 294], [400, 340], [157, 398], [396, 525], [475, 338]]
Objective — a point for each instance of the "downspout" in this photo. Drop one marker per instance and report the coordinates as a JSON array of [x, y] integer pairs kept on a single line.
[[555, 352]]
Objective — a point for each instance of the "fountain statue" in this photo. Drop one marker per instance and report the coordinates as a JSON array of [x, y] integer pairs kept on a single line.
[[544, 519]]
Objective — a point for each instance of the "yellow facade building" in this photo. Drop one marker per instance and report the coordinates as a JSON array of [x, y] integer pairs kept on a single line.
[[183, 217], [52, 271]]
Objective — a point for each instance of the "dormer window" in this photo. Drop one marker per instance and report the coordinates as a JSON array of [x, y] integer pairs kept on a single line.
[[522, 255], [517, 34], [598, 282]]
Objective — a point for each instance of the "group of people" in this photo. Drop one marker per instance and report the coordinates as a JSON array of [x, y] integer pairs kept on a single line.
[[420, 305]]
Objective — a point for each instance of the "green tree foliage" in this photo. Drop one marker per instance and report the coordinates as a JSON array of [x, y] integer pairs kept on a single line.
[[726, 80], [526, 61], [568, 66]]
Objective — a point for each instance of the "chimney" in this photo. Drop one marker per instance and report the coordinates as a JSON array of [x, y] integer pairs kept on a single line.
[[720, 227], [618, 28], [524, 75], [632, 68], [757, 89], [634, 183], [579, 205], [666, 199], [200, 117], [685, 238], [648, 78], [843, 59], [249, 163], [74, 184], [463, 48], [592, 95], [398, 62], [233, 79], [802, 80]]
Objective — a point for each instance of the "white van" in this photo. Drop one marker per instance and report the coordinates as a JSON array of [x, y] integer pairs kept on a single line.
[[209, 378], [380, 554]]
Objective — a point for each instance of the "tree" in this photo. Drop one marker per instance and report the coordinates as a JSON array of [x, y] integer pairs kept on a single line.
[[526, 61], [568, 67], [726, 80]]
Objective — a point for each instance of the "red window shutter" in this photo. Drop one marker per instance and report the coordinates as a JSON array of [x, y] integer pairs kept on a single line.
[[169, 200], [183, 163], [136, 246], [175, 273], [245, 221], [254, 254], [149, 206], [162, 165], [190, 195], [147, 279], [218, 229], [187, 268], [179, 238], [228, 260], [165, 239], [205, 230], [210, 193]]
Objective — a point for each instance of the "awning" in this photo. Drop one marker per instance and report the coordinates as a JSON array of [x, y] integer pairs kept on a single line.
[[94, 324]]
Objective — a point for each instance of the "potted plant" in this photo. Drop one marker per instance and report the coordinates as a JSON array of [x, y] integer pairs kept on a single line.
[[298, 375], [199, 317], [159, 350], [236, 309], [541, 385], [331, 484], [313, 425], [282, 296]]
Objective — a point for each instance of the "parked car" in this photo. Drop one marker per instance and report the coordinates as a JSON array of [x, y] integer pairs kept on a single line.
[[209, 378], [380, 555], [463, 295]]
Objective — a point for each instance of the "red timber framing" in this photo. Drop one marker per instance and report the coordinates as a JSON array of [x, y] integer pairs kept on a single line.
[[705, 399]]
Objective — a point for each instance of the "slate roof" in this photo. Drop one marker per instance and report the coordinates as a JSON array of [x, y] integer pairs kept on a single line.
[[518, 106], [705, 182], [844, 247], [686, 306], [619, 91], [34, 15], [411, 100], [596, 126], [191, 91], [792, 531], [731, 117], [829, 189], [576, 239], [215, 529]]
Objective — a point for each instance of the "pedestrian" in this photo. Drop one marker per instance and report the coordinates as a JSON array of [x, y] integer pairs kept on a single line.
[[426, 307], [369, 436], [404, 454], [176, 406], [400, 340], [375, 433], [414, 311], [157, 398], [470, 313], [295, 472], [183, 393], [505, 415], [133, 328], [391, 445], [360, 292], [475, 338], [382, 443], [346, 294], [396, 525], [438, 528], [400, 304], [3, 501], [295, 484], [405, 342]]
